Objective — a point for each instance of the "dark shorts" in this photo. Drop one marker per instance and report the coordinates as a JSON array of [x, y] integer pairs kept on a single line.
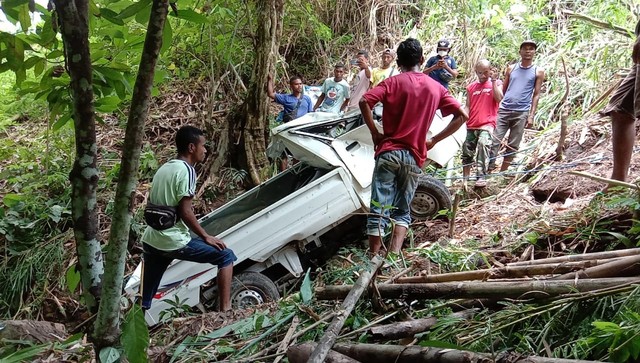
[[626, 98], [156, 262]]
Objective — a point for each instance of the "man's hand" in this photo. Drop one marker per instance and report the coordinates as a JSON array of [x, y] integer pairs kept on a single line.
[[430, 143], [494, 74], [362, 62], [529, 122], [215, 242], [441, 64], [635, 55], [377, 138]]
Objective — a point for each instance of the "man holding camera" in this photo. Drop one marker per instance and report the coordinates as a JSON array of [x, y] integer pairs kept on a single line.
[[362, 81], [442, 67]]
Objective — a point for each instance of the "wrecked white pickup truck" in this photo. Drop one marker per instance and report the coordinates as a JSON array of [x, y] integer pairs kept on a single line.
[[277, 228]]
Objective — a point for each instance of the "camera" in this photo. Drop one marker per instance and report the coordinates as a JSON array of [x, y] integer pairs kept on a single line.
[[353, 62]]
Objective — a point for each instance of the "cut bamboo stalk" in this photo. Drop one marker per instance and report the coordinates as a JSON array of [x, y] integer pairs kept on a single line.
[[503, 272], [300, 353], [407, 329], [535, 289], [378, 353], [333, 331], [612, 182], [625, 266], [582, 257]]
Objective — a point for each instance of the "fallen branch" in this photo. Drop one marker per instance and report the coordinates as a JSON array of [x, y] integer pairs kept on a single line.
[[537, 289], [582, 257], [376, 353], [300, 353], [599, 23], [625, 266], [407, 329], [503, 272], [563, 115], [615, 183], [326, 342]]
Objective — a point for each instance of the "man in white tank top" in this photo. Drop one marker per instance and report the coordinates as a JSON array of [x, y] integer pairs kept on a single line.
[[522, 83]]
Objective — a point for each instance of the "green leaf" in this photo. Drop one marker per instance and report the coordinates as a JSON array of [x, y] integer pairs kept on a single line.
[[192, 16], [11, 199], [180, 348], [305, 289], [133, 9], [109, 355], [38, 68], [135, 335], [167, 35], [55, 54], [61, 122], [73, 278], [108, 104], [111, 16], [142, 17], [24, 16]]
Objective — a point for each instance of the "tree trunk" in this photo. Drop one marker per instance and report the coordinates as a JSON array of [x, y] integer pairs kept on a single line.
[[503, 272], [73, 16], [407, 329], [526, 289], [256, 106], [107, 332], [331, 334], [625, 266], [582, 257], [376, 353], [32, 330], [300, 354]]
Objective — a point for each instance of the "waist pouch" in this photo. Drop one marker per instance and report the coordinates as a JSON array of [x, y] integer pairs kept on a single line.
[[160, 217]]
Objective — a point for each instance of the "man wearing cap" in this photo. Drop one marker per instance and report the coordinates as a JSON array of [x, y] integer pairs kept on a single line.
[[624, 109], [442, 67], [521, 87], [385, 71]]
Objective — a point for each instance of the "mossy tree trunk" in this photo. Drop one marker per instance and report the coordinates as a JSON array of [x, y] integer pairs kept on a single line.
[[269, 29], [107, 327], [73, 17]]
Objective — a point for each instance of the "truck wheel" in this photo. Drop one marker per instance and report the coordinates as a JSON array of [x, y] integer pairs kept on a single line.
[[431, 196], [252, 288]]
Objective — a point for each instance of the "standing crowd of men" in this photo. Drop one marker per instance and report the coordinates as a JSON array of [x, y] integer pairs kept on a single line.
[[410, 97]]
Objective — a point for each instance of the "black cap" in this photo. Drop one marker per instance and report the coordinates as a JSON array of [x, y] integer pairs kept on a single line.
[[443, 43], [529, 42]]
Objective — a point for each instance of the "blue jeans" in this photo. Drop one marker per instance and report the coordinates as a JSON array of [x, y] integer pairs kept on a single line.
[[156, 262], [395, 178]]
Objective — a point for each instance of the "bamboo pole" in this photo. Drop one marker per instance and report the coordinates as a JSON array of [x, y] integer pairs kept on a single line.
[[377, 353], [301, 352], [625, 266], [326, 342], [407, 329], [503, 272], [582, 257], [531, 289]]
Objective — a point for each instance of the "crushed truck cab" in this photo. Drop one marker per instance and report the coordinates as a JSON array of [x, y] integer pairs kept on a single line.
[[276, 228]]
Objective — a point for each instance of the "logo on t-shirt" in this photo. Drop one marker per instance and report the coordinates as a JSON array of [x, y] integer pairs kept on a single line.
[[332, 95]]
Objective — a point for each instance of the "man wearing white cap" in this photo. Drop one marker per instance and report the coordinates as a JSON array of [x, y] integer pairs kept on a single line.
[[386, 70]]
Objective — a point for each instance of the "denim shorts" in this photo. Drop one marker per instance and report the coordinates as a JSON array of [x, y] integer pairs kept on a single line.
[[395, 178], [156, 262]]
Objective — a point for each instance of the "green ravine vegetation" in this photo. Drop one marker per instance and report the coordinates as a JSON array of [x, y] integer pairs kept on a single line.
[[208, 52]]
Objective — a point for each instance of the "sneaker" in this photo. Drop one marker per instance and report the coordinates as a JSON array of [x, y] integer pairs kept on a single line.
[[481, 183]]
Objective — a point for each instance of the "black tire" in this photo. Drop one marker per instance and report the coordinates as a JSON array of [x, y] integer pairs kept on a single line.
[[252, 288], [431, 197]]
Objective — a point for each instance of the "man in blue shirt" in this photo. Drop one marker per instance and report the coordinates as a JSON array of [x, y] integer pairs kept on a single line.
[[442, 67], [295, 104]]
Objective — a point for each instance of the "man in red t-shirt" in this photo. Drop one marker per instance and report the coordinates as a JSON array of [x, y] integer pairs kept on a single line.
[[410, 101], [483, 99]]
